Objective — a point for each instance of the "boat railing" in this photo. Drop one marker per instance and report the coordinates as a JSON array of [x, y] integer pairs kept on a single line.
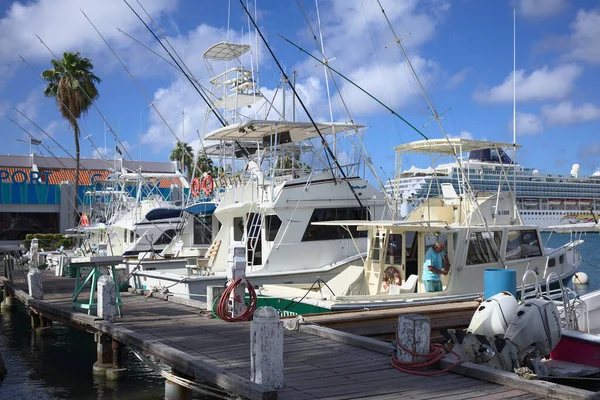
[[537, 292]]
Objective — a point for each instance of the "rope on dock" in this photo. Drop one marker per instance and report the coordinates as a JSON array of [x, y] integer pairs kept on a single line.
[[436, 353], [222, 310]]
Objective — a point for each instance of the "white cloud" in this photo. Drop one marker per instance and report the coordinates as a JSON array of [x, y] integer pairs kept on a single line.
[[542, 84], [457, 78], [539, 8], [583, 41], [565, 114], [30, 105], [527, 124], [63, 27], [463, 135]]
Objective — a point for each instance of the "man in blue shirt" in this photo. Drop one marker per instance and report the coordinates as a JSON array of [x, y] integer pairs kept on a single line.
[[432, 267]]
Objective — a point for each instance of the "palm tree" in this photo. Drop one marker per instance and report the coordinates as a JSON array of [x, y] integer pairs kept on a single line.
[[205, 164], [73, 85], [182, 152]]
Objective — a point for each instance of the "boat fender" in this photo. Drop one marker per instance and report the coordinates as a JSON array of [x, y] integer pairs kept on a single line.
[[580, 278]]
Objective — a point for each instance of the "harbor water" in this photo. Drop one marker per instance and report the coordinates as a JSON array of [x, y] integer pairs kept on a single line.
[[59, 366]]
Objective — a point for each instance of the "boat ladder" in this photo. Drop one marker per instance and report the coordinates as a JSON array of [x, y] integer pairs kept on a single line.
[[253, 236], [376, 262]]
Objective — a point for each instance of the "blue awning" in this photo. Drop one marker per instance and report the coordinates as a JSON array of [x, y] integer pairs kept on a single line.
[[206, 208]]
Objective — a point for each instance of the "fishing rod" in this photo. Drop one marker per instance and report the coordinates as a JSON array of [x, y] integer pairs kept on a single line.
[[148, 48], [361, 150], [136, 82], [66, 108], [323, 141], [208, 103], [44, 132], [355, 85], [73, 201], [33, 137], [89, 99]]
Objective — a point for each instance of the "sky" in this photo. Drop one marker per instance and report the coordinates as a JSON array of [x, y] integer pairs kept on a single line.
[[462, 51]]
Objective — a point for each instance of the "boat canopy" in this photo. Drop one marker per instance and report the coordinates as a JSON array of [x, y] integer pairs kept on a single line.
[[163, 213], [226, 51], [286, 131], [206, 208], [568, 228], [449, 146]]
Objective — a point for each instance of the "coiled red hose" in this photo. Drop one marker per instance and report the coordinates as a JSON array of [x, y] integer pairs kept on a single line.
[[222, 310], [436, 353]]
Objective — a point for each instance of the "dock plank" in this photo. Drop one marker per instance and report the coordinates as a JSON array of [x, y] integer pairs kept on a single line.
[[319, 362]]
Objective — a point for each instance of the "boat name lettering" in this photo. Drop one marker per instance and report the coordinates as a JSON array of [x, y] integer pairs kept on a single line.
[[31, 176], [359, 187], [503, 212]]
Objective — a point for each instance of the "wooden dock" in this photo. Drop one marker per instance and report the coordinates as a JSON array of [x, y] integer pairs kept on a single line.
[[319, 362]]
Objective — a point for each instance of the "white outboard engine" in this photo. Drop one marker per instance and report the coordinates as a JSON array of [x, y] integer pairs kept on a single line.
[[505, 335], [532, 334], [485, 334]]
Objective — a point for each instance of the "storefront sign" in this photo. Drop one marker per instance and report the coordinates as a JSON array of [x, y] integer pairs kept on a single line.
[[20, 176]]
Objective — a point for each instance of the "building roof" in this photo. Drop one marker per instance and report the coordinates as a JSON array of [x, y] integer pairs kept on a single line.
[[20, 162], [63, 169]]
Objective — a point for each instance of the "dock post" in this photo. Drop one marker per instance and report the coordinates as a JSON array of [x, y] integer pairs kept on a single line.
[[266, 348], [414, 333], [236, 268], [8, 301], [107, 298], [104, 354], [34, 282], [43, 326], [213, 293], [3, 370], [175, 391], [115, 372]]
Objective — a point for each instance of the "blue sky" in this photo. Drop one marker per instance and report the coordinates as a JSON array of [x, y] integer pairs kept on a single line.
[[463, 51]]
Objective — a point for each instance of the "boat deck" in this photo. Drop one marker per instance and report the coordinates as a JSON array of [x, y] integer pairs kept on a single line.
[[315, 367]]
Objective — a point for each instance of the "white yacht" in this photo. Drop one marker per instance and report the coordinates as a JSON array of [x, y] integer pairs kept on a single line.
[[542, 199], [277, 178], [482, 231]]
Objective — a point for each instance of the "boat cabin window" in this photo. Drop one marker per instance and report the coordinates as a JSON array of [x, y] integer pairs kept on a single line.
[[394, 251], [522, 244], [238, 228], [166, 237], [319, 232], [483, 247], [273, 223], [412, 251], [203, 230]]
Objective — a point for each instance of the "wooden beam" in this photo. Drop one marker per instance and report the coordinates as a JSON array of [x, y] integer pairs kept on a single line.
[[188, 363]]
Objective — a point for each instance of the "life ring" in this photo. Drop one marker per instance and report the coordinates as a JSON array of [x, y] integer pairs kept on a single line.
[[208, 185], [391, 276], [85, 221], [195, 187]]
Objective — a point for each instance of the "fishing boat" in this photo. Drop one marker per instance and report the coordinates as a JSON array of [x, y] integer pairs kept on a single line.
[[481, 231], [277, 178]]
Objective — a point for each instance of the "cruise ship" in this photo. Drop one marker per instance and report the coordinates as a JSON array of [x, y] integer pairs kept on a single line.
[[542, 199]]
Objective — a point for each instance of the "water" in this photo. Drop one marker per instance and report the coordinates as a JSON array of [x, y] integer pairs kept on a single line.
[[590, 254], [59, 366]]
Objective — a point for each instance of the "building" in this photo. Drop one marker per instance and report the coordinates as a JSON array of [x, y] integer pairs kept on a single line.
[[37, 193]]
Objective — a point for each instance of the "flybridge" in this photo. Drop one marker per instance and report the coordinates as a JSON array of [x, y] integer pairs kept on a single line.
[[20, 176]]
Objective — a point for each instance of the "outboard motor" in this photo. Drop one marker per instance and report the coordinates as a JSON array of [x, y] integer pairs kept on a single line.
[[505, 335], [532, 334]]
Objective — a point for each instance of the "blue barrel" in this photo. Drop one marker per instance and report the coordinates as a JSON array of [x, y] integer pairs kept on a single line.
[[499, 280]]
